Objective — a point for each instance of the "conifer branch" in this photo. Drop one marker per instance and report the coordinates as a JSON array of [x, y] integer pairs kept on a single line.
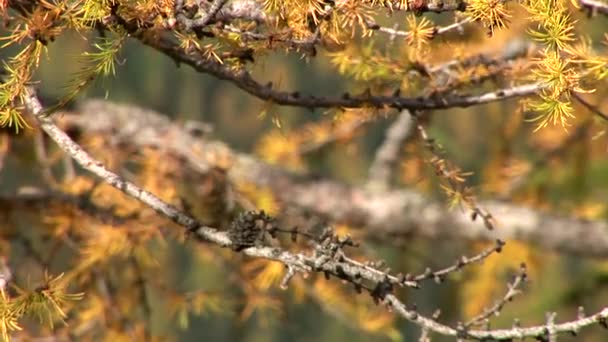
[[438, 30], [389, 214], [246, 82], [243, 79], [512, 291], [227, 39], [540, 331], [298, 262], [328, 256], [422, 6]]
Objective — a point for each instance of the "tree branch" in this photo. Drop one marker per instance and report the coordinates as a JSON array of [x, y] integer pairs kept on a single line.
[[302, 263], [497, 334], [385, 213], [328, 256], [439, 6], [246, 82], [240, 77]]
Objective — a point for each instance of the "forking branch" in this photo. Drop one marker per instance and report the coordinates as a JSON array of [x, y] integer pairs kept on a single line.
[[328, 256]]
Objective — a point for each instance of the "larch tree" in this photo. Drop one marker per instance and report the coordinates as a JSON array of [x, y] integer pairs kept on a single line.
[[107, 208]]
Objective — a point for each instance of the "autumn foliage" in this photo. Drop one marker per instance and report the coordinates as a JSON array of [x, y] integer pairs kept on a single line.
[[455, 158]]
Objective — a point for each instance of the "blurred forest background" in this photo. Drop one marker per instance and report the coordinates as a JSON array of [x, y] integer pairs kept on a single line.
[[481, 139]]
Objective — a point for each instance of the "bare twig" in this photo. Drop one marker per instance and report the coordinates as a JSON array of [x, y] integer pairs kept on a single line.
[[551, 333], [439, 6], [216, 6], [424, 336], [496, 334], [243, 9], [327, 258], [299, 262], [455, 179], [512, 291], [462, 262], [386, 213], [438, 30], [244, 81]]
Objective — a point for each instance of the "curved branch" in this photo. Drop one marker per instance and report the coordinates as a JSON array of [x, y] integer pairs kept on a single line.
[[439, 6], [385, 213], [340, 268], [246, 82], [242, 79], [337, 265], [497, 334]]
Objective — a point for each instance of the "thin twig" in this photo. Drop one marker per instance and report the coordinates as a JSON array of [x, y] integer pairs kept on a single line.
[[438, 30], [592, 108], [496, 334], [512, 291], [455, 180], [319, 262], [244, 81], [460, 263], [389, 214], [300, 262]]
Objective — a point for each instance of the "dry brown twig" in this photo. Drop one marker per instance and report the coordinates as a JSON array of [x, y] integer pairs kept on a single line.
[[455, 180]]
